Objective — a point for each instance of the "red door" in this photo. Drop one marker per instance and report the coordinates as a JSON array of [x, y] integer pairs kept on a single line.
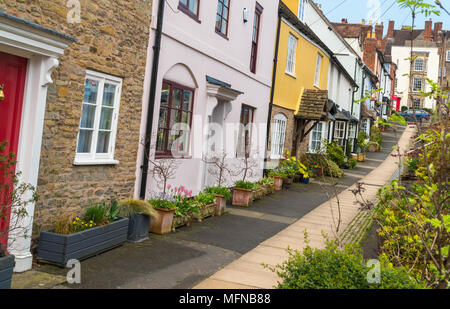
[[12, 78]]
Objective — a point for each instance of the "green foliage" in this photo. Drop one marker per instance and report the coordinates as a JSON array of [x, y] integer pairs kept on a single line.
[[131, 207], [161, 203], [266, 181], [404, 108], [352, 162], [335, 152], [102, 213], [332, 169], [220, 191], [244, 185], [375, 135], [292, 166], [277, 173], [362, 142], [335, 268], [203, 199]]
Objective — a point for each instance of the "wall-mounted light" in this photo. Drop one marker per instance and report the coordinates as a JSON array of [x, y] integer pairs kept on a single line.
[[245, 15]]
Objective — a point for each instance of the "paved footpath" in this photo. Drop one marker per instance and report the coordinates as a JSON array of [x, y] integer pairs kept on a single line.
[[226, 251], [247, 271]]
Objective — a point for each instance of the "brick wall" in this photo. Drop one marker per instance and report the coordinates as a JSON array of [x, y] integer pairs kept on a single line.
[[112, 38], [289, 127]]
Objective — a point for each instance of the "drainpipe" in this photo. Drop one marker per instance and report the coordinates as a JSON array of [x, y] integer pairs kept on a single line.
[[151, 100], [272, 91], [360, 108]]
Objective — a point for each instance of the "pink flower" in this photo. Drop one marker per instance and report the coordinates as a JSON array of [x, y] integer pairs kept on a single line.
[[169, 186]]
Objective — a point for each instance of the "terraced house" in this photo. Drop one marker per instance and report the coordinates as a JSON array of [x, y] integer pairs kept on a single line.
[[72, 79], [209, 73]]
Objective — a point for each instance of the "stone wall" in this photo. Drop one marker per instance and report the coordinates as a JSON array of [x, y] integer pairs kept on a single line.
[[113, 39]]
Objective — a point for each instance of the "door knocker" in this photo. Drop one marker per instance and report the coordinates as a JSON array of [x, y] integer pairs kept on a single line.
[[2, 94]]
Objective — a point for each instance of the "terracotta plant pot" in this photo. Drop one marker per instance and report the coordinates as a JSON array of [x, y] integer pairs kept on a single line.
[[373, 148], [163, 224], [278, 183], [221, 205], [287, 182], [242, 197], [361, 157]]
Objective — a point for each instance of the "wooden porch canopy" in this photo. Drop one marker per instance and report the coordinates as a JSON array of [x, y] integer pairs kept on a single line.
[[313, 107], [367, 113]]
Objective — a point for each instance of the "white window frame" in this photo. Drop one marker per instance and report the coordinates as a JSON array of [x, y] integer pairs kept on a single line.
[[417, 67], [339, 132], [414, 83], [291, 55], [352, 134], [323, 133], [301, 9], [414, 103], [448, 55], [278, 136], [318, 69], [94, 158]]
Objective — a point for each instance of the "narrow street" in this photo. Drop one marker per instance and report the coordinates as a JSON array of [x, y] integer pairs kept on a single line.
[[192, 254]]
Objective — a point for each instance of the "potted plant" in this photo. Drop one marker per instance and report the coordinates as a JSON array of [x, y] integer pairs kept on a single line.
[[185, 207], [373, 146], [267, 183], [139, 213], [362, 146], [306, 177], [317, 169], [206, 203], [223, 195], [352, 163], [242, 193], [6, 269], [277, 179], [165, 207], [258, 191], [98, 230]]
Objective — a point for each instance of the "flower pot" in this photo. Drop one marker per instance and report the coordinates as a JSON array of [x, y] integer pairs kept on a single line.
[[221, 205], [6, 271], [205, 212], [278, 183], [163, 224], [287, 182], [242, 197], [305, 180], [257, 194], [270, 189], [318, 171], [361, 157], [138, 228], [373, 148], [59, 249], [179, 221]]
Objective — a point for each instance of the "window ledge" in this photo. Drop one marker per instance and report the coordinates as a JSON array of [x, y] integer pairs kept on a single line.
[[222, 35], [95, 162], [186, 11], [290, 74]]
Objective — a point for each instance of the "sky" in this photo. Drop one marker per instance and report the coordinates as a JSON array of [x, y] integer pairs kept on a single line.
[[381, 10]]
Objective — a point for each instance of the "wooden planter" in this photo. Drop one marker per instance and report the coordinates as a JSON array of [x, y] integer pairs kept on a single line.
[[179, 221], [205, 212], [163, 224], [6, 271], [242, 197], [278, 183], [361, 157], [59, 249], [221, 204]]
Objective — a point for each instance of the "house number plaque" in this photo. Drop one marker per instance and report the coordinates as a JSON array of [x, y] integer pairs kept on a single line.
[[2, 94]]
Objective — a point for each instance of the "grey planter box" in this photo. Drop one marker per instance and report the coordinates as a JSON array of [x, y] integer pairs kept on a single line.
[[6, 271], [59, 249]]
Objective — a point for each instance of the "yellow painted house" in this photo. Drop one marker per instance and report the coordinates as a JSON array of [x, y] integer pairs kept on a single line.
[[300, 96]]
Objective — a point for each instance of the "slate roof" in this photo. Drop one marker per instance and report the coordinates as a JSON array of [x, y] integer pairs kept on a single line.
[[217, 82]]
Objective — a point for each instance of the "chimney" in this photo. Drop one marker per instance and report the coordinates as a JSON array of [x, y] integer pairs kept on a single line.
[[428, 28], [379, 31], [344, 20], [390, 33], [363, 22], [437, 28]]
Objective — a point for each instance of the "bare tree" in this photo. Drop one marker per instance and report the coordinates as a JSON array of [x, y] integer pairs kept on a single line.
[[218, 167], [247, 167]]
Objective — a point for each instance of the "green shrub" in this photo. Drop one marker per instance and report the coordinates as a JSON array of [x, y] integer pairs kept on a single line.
[[203, 199], [352, 162], [332, 169], [333, 268], [362, 141], [335, 153], [244, 185], [220, 191]]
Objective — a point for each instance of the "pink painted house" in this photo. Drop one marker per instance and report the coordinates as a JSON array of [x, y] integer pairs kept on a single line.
[[209, 69]]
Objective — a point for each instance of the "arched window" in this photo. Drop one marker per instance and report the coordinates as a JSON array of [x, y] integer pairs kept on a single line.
[[418, 64], [278, 136]]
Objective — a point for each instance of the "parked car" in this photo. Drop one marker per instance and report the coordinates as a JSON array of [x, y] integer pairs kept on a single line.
[[420, 115]]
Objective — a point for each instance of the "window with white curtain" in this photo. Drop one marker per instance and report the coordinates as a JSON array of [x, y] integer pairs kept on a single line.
[[278, 136], [98, 123], [301, 9], [318, 69], [292, 52], [316, 137]]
